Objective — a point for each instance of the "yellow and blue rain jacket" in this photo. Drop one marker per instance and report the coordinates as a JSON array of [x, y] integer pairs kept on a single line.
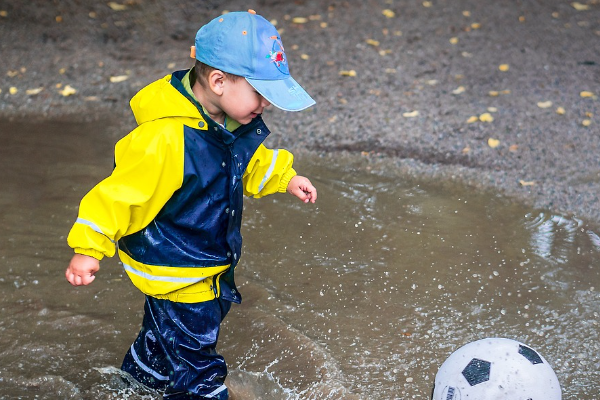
[[173, 202]]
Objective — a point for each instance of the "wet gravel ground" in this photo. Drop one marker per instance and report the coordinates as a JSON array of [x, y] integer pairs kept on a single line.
[[500, 95]]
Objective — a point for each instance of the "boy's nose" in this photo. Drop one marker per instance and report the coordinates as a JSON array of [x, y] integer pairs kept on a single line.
[[265, 103]]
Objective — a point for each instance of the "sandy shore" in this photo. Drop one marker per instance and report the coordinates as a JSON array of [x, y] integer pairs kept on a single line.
[[497, 95]]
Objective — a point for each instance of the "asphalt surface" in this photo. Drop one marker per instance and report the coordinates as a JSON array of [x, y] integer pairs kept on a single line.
[[499, 95]]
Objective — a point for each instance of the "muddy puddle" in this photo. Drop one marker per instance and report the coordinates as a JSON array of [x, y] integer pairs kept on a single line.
[[361, 296]]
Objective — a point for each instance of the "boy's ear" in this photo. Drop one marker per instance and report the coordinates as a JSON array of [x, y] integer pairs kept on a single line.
[[216, 81]]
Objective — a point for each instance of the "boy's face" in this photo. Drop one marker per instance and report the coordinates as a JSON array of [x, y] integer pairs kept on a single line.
[[241, 102]]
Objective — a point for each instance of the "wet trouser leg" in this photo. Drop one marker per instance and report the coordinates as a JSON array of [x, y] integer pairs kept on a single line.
[[175, 350]]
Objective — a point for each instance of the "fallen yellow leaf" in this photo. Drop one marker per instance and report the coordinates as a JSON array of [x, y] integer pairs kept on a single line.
[[475, 25], [323, 25], [388, 13], [12, 74], [304, 56], [580, 7], [91, 98], [504, 67], [486, 117], [58, 19], [427, 4], [31, 92], [493, 143], [560, 111], [586, 94], [459, 90], [119, 78], [299, 20], [116, 6], [13, 90], [526, 183], [466, 13], [466, 150], [454, 40], [586, 122], [494, 93], [373, 42], [521, 19], [411, 114], [315, 17], [348, 72], [513, 148], [544, 104], [390, 70], [384, 52], [505, 92], [472, 119], [492, 109], [68, 91], [3, 13]]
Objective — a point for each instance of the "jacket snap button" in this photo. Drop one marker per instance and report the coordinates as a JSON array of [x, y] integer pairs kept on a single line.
[[258, 131], [223, 164], [201, 124]]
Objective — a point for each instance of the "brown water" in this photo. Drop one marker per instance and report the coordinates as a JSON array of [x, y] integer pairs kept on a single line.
[[361, 296]]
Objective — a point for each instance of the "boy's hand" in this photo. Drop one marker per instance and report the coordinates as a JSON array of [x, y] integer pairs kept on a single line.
[[301, 187], [81, 270]]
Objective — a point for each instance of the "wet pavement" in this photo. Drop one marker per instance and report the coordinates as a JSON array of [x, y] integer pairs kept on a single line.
[[360, 296]]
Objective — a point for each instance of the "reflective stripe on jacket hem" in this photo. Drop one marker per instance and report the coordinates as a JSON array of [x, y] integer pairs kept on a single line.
[[179, 284]]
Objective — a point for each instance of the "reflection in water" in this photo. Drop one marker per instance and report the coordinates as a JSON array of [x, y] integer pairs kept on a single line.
[[360, 296]]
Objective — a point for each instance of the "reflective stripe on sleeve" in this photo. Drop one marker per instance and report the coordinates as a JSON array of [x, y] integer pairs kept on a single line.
[[269, 171], [92, 225]]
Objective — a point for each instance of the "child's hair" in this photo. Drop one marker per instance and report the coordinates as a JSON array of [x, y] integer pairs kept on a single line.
[[202, 71]]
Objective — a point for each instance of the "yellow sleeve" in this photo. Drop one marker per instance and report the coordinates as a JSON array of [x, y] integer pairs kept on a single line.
[[269, 171], [148, 170]]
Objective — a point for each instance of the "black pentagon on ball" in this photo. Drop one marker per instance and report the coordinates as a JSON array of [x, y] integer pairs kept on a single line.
[[530, 355], [477, 371]]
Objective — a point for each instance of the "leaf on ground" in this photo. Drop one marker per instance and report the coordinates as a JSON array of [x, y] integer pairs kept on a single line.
[[299, 20], [585, 93], [304, 56], [466, 150], [466, 13], [411, 114], [493, 143], [388, 13], [348, 72], [526, 183], [504, 67], [492, 109], [373, 42], [32, 92], [453, 40], [475, 25], [580, 7], [513, 148], [486, 117], [68, 91], [116, 6], [13, 90], [544, 104], [586, 122], [3, 13], [560, 110], [119, 78], [459, 90], [472, 119], [427, 4], [12, 74]]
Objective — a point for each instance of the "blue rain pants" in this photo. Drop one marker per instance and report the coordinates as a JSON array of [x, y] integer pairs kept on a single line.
[[175, 351]]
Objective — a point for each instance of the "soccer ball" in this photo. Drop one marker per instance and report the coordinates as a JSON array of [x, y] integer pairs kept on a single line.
[[496, 369]]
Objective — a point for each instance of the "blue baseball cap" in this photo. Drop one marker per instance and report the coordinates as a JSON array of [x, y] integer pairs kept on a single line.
[[247, 45]]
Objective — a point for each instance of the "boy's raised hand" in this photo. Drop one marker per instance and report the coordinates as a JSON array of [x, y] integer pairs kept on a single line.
[[301, 187], [82, 269]]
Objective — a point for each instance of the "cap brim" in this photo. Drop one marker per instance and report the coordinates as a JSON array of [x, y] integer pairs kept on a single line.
[[285, 94]]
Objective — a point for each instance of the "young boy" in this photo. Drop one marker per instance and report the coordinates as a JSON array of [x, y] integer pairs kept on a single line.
[[173, 202]]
